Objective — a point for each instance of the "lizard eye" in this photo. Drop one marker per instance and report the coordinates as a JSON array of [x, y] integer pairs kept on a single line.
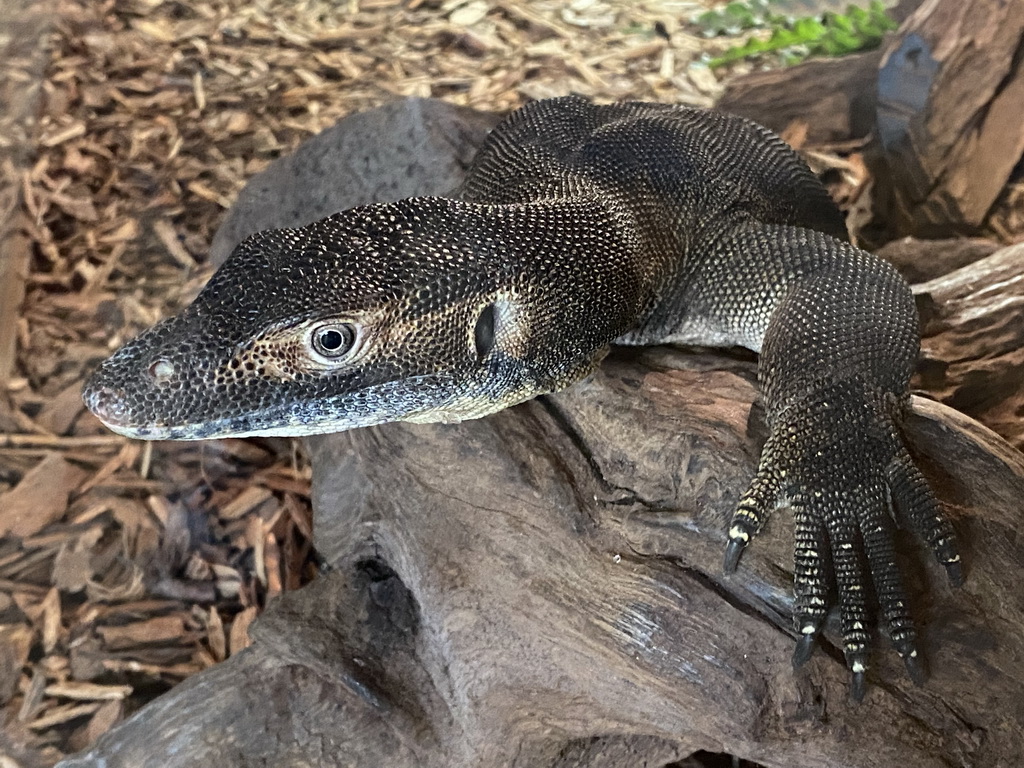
[[334, 341]]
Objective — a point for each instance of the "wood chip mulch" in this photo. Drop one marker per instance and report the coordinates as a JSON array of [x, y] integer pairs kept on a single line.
[[127, 130]]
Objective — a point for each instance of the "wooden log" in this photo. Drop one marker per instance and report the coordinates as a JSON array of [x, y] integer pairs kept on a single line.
[[950, 91], [941, 103], [515, 589], [973, 340], [834, 99], [970, 296], [544, 588], [922, 260]]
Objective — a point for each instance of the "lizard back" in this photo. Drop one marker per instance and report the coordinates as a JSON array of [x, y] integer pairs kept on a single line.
[[692, 165]]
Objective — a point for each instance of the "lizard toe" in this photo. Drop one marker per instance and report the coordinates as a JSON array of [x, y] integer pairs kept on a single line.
[[916, 505], [811, 580], [756, 505]]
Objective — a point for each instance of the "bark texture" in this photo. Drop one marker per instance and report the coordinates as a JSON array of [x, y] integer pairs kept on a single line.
[[544, 588], [939, 106], [834, 99], [950, 90]]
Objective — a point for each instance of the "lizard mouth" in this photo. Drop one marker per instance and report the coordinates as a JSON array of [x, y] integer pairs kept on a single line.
[[108, 409], [109, 406], [401, 400]]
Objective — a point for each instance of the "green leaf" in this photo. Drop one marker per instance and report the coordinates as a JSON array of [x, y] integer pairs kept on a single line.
[[794, 39]]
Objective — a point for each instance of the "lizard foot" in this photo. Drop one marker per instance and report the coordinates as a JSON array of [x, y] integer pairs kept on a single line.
[[849, 480]]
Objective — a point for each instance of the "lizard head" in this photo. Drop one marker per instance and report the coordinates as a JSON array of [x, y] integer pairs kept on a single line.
[[372, 315]]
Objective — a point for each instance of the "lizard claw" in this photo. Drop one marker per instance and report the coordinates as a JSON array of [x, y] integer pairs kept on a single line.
[[955, 572], [916, 668], [857, 661], [858, 686], [733, 550], [805, 646]]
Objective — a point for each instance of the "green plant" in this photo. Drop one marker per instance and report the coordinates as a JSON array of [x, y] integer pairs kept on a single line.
[[833, 34], [735, 17]]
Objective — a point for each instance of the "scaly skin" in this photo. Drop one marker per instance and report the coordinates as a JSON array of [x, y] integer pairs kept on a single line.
[[579, 226]]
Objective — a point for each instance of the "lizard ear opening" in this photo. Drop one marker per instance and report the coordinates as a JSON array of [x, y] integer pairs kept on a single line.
[[483, 334]]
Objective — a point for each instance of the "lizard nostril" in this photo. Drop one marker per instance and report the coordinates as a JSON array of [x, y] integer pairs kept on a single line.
[[108, 405], [161, 370]]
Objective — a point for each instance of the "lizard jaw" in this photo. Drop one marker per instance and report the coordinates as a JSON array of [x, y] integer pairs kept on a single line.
[[436, 399]]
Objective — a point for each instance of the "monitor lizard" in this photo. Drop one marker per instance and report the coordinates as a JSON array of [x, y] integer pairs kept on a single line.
[[579, 226]]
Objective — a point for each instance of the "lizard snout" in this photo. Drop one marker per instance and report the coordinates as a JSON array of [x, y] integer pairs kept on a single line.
[[108, 404]]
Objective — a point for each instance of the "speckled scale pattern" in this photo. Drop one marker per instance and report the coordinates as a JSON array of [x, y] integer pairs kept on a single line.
[[579, 225]]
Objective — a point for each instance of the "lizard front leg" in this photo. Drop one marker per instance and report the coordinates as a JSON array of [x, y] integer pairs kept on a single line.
[[837, 461], [837, 332]]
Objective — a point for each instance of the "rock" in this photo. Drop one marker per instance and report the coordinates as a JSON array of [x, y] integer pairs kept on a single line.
[[400, 150]]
